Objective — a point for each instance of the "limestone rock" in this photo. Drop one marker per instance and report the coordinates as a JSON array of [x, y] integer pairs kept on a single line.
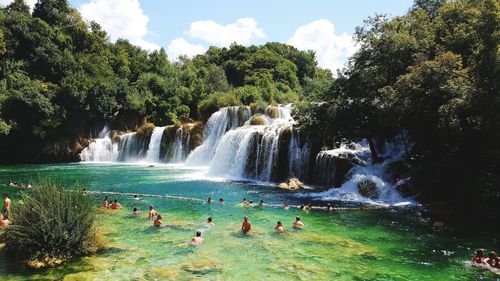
[[368, 188], [292, 184]]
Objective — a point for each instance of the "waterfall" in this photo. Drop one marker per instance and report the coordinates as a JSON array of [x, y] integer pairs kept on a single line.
[[178, 147], [101, 149], [153, 154], [218, 124], [299, 157]]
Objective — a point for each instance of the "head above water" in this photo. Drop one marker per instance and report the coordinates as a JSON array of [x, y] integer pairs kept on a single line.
[[245, 218], [209, 219], [106, 197], [150, 207], [159, 217], [135, 209], [221, 200], [198, 233], [480, 252], [279, 223], [492, 255], [297, 218], [115, 201]]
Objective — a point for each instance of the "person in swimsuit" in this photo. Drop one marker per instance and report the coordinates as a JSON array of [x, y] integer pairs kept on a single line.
[[105, 202], [152, 213], [279, 227], [158, 221], [261, 202], [209, 222], [115, 205], [246, 226], [479, 258], [493, 260], [135, 212], [197, 240], [298, 223]]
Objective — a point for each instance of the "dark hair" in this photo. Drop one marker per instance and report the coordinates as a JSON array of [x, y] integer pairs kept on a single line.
[[115, 200], [480, 252], [135, 209], [492, 254], [278, 222], [106, 197], [297, 218], [151, 206], [159, 217], [198, 233], [210, 219]]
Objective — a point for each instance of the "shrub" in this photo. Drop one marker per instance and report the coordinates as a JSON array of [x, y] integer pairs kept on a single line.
[[51, 225]]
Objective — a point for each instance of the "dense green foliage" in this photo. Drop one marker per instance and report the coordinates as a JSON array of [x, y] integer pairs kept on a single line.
[[433, 73], [49, 223], [62, 77]]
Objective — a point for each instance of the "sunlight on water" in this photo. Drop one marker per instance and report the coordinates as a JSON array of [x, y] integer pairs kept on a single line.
[[341, 245]]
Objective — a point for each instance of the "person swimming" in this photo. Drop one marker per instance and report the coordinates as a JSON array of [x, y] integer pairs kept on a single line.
[[105, 202], [279, 227], [246, 226], [308, 207], [298, 223], [197, 240], [158, 221], [285, 206], [221, 200], [479, 258], [493, 260], [29, 185], [328, 207], [209, 200], [136, 197], [261, 202], [152, 212], [209, 222], [301, 206], [244, 201], [115, 205], [135, 212]]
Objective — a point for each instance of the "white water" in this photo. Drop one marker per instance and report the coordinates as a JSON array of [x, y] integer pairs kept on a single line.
[[178, 147], [101, 149], [153, 154]]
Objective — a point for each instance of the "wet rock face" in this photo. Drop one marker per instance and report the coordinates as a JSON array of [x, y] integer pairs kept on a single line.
[[258, 119], [332, 170], [368, 189], [291, 184]]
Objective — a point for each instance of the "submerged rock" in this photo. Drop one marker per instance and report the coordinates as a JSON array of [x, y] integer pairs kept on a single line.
[[368, 188], [292, 184]]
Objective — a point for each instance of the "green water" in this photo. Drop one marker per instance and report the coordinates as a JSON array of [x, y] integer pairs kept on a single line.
[[342, 245]]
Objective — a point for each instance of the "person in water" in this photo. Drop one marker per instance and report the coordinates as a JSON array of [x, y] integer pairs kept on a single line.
[[328, 207], [136, 197], [209, 200], [285, 206], [105, 202], [135, 212], [246, 226], [152, 213], [6, 207], [279, 227], [209, 222], [22, 185], [244, 201], [221, 200], [4, 222], [197, 240], [29, 185], [261, 202], [158, 221], [493, 260], [479, 258], [301, 206], [115, 205], [308, 207], [298, 223]]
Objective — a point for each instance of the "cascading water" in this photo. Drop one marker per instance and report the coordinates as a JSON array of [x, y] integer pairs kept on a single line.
[[178, 147], [218, 124], [153, 154], [101, 149]]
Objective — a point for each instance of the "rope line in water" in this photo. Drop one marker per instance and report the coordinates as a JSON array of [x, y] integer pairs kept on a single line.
[[266, 205]]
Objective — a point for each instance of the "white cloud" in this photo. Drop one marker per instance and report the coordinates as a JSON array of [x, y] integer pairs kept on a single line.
[[180, 46], [242, 31], [121, 19], [30, 3], [332, 50]]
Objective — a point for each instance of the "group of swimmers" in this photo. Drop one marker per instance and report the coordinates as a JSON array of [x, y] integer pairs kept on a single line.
[[21, 185], [491, 261]]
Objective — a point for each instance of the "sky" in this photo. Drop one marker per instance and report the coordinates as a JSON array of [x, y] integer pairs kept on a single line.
[[189, 27]]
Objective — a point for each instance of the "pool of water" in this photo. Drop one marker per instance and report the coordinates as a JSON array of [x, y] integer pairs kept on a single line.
[[389, 244]]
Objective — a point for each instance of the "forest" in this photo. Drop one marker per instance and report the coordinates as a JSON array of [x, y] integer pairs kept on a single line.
[[430, 77]]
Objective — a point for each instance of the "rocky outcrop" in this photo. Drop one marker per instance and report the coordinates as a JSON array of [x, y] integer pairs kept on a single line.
[[64, 150], [292, 184], [258, 119], [368, 189], [332, 167]]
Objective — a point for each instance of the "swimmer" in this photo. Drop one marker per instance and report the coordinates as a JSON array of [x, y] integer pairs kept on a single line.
[[221, 200], [29, 185], [308, 207], [261, 202], [250, 203], [197, 240], [493, 260], [285, 206], [158, 221], [479, 258], [209, 200], [246, 226], [22, 185], [115, 205], [105, 202], [152, 212], [6, 207], [209, 222], [244, 201], [328, 207], [136, 197], [297, 223], [301, 206], [279, 227], [135, 212]]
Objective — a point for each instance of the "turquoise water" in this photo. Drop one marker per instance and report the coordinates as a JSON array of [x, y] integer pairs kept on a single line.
[[393, 244]]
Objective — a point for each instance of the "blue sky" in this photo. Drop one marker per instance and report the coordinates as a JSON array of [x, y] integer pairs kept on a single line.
[[189, 27]]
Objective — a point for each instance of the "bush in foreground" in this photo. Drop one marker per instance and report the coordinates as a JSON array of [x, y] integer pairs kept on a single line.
[[51, 225]]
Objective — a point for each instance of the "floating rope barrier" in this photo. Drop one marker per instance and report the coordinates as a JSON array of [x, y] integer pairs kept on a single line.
[[265, 205]]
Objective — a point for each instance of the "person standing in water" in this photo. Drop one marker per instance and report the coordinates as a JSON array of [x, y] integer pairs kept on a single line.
[[297, 223], [6, 207], [209, 200], [246, 226], [493, 260], [158, 221], [115, 205], [261, 202], [197, 240], [479, 258], [152, 213], [105, 202], [279, 227]]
